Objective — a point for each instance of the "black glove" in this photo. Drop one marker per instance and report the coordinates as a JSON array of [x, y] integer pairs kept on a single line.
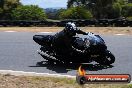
[[81, 32]]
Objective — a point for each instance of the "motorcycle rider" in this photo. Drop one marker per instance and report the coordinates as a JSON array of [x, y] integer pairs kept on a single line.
[[63, 40], [71, 29]]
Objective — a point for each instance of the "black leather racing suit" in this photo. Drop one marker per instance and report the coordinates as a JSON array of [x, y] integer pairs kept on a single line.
[[63, 41]]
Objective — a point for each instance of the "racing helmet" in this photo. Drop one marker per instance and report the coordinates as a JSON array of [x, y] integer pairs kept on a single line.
[[71, 28]]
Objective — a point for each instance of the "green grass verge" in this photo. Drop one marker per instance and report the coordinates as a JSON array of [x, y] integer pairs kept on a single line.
[[9, 81]]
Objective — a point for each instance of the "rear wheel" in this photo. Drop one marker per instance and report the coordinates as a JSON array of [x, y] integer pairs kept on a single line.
[[108, 59]]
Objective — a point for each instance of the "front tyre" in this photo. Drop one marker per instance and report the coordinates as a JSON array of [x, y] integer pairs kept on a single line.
[[108, 59]]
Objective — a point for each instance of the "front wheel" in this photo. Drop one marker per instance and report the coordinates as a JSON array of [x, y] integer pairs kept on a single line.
[[108, 59]]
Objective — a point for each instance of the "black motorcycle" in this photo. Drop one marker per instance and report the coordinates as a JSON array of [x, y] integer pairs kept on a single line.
[[85, 48]]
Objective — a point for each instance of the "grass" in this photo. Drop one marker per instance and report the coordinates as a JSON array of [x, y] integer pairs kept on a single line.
[[10, 81]]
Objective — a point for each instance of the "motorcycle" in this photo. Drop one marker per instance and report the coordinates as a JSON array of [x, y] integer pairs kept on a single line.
[[85, 49]]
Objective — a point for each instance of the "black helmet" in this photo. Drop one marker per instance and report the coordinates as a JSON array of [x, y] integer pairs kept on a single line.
[[70, 29], [71, 26]]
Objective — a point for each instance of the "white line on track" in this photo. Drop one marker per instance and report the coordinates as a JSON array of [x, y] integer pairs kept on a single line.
[[131, 82], [119, 34], [9, 31], [22, 73]]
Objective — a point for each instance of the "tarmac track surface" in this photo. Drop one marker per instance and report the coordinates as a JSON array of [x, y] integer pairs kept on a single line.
[[18, 53]]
